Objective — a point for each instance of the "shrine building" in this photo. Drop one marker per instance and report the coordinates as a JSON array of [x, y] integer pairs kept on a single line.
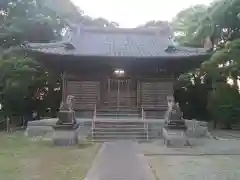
[[115, 68]]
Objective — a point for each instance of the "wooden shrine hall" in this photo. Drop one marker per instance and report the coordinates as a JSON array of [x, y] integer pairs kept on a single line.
[[114, 68]]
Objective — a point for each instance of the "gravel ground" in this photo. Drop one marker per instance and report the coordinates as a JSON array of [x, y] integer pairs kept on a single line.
[[195, 167], [226, 134], [200, 147], [207, 159]]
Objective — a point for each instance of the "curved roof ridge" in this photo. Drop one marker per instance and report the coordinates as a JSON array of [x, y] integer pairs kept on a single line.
[[67, 38], [152, 31], [111, 42], [191, 49]]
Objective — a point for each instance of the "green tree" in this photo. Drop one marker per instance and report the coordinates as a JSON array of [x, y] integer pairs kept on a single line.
[[41, 21], [214, 88], [191, 91], [28, 20], [186, 23], [223, 105], [154, 24], [17, 78], [217, 79], [219, 21], [224, 65], [26, 87]]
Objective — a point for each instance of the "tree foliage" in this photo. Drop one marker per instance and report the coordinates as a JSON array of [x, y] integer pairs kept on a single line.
[[26, 86], [27, 20], [67, 10], [191, 91], [225, 64], [223, 105], [186, 23], [219, 21], [40, 21], [154, 24], [214, 87]]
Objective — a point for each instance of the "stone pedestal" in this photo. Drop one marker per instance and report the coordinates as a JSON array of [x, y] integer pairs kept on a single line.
[[174, 131], [176, 124], [65, 130], [66, 117], [173, 116], [175, 137], [65, 135]]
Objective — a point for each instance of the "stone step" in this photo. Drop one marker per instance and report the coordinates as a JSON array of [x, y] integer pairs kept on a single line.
[[114, 139], [126, 126], [118, 132], [119, 110], [126, 113], [117, 115], [130, 120], [119, 122], [105, 137], [126, 110], [118, 129]]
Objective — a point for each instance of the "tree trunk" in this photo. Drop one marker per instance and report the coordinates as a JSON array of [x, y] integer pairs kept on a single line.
[[214, 124], [7, 124], [235, 83]]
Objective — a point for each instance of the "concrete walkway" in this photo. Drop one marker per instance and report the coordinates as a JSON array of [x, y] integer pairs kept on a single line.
[[120, 160]]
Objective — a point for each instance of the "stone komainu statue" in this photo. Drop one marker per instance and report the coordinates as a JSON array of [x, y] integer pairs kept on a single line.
[[66, 111], [66, 127], [68, 104], [174, 112], [173, 116], [175, 126]]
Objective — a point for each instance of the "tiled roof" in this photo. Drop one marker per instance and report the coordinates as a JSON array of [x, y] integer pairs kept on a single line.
[[112, 42]]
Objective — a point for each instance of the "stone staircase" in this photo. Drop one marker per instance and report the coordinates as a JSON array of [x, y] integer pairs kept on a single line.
[[118, 113], [120, 129], [111, 124]]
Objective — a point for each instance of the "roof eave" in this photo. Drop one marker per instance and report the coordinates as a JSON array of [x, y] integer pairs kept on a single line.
[[121, 57]]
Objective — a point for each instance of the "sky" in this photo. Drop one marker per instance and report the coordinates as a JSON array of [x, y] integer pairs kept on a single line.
[[131, 13]]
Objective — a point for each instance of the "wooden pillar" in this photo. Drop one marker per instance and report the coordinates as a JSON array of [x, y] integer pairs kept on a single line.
[[138, 93], [128, 92], [109, 82], [99, 91], [118, 93], [108, 92], [64, 87]]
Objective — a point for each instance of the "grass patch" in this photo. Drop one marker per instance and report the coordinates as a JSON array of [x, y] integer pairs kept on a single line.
[[21, 159]]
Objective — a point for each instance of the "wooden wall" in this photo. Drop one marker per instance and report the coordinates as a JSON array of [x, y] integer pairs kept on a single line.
[[154, 94], [147, 93], [86, 93]]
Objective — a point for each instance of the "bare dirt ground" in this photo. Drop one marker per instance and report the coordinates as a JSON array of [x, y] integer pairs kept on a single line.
[[24, 159]]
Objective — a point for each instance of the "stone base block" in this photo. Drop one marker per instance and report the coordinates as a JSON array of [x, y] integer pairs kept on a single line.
[[38, 131], [66, 117], [175, 138], [65, 138], [176, 143]]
